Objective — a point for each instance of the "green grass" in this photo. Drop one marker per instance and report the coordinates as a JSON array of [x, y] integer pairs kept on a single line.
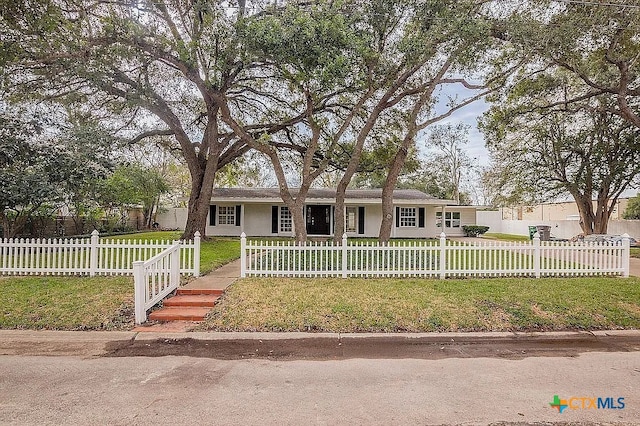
[[635, 252], [505, 237], [66, 303], [414, 305], [83, 303], [214, 252]]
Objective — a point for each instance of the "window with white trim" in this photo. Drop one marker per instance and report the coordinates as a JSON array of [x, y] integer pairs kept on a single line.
[[407, 217], [226, 215], [285, 219], [451, 219], [350, 219]]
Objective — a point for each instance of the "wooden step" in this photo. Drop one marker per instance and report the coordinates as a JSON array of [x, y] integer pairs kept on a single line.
[[180, 313], [192, 300], [193, 291]]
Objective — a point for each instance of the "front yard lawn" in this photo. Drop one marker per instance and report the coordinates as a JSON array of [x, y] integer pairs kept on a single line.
[[420, 305], [66, 303], [214, 252], [84, 303]]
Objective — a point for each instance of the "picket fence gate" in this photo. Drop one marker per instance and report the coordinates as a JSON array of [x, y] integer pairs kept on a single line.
[[89, 256], [154, 279], [440, 259]]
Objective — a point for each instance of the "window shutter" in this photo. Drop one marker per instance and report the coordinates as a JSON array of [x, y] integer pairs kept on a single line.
[[421, 217], [397, 217], [212, 215], [274, 219], [238, 213], [361, 220]]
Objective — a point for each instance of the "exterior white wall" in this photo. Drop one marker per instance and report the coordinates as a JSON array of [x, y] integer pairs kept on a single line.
[[492, 219], [224, 230], [256, 222], [174, 218], [467, 217], [413, 231], [559, 228]]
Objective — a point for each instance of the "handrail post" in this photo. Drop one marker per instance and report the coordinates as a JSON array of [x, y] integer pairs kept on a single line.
[[344, 255], [196, 254], [139, 291], [174, 277], [626, 253], [243, 255], [93, 253], [443, 256], [536, 255]]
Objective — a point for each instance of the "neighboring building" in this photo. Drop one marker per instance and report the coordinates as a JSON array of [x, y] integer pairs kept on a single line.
[[567, 210], [261, 212]]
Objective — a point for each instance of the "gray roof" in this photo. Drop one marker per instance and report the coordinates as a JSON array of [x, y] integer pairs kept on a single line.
[[320, 193]]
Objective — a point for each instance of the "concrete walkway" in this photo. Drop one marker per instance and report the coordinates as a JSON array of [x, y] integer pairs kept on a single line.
[[219, 279], [634, 267]]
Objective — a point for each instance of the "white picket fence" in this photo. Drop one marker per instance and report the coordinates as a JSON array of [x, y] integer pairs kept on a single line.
[[154, 279], [440, 259], [89, 256]]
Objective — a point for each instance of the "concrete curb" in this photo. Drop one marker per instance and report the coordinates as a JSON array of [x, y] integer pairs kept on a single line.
[[96, 343]]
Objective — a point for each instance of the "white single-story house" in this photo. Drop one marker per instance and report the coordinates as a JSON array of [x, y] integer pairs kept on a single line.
[[260, 212]]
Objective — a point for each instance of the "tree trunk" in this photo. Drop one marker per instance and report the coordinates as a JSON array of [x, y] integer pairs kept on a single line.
[[198, 209], [5, 224], [585, 208], [603, 213], [389, 185], [300, 227], [200, 199], [352, 167], [338, 226]]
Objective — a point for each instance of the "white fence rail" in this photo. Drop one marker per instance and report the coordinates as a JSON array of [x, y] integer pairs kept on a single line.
[[89, 256], [154, 279], [440, 259]]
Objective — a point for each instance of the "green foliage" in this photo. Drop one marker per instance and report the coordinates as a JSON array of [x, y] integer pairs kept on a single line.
[[37, 169], [474, 230], [132, 185], [308, 45], [633, 208], [585, 153]]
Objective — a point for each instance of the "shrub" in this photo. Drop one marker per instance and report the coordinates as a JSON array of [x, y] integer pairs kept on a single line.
[[633, 208], [474, 230]]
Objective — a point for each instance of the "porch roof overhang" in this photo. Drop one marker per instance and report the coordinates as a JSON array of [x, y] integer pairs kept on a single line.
[[324, 196]]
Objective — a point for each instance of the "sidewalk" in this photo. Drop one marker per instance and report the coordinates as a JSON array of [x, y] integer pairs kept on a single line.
[[634, 267], [218, 279]]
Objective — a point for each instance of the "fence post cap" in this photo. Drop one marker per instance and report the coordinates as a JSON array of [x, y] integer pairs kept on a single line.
[[243, 235], [443, 235], [536, 235], [197, 234], [625, 235], [95, 233], [344, 236]]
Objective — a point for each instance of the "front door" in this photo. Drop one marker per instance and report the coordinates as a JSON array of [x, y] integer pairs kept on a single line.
[[318, 220]]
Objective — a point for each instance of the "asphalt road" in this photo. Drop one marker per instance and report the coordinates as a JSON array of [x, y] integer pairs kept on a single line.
[[181, 390]]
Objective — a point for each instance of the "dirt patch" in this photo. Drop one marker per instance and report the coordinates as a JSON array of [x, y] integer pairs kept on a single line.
[[515, 347]]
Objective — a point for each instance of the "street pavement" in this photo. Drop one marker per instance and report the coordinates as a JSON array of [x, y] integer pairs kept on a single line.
[[46, 378], [181, 390]]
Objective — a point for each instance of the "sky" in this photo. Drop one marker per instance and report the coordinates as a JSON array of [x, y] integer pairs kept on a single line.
[[469, 115]]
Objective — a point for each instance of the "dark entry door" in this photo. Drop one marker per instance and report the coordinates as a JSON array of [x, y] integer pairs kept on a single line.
[[318, 219]]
